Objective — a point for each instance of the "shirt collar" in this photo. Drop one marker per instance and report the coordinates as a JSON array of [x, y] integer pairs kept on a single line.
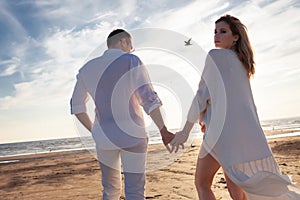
[[113, 52]]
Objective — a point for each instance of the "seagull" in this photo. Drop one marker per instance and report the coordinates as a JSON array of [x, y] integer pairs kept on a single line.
[[187, 43]]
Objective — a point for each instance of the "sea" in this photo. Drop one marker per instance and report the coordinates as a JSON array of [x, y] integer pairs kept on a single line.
[[287, 127]]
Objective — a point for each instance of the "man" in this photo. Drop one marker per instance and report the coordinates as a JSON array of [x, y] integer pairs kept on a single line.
[[119, 84]]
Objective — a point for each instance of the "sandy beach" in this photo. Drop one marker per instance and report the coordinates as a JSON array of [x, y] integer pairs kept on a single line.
[[76, 174]]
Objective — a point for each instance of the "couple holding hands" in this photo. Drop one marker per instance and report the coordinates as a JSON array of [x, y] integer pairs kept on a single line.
[[119, 85]]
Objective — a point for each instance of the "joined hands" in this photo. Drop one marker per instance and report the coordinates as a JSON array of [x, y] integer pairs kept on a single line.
[[173, 141], [180, 138], [167, 137]]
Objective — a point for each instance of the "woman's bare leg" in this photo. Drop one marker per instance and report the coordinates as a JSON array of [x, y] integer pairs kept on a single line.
[[206, 169], [234, 190]]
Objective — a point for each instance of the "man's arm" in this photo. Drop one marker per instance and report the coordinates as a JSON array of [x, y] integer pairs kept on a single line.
[[78, 103], [167, 136], [85, 120], [149, 100]]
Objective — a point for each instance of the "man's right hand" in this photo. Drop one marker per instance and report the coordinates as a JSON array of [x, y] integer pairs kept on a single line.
[[167, 137]]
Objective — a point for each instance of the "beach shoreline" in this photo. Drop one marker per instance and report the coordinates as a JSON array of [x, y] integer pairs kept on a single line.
[[76, 174]]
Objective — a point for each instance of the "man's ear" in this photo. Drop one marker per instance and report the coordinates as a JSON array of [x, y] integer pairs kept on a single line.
[[123, 42]]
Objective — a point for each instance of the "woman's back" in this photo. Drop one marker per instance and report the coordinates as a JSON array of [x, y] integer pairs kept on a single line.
[[240, 138]]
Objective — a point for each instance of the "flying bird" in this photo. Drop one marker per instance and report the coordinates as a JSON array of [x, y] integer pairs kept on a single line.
[[187, 43]]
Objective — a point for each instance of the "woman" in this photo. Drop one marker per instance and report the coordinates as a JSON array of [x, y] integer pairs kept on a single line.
[[234, 139]]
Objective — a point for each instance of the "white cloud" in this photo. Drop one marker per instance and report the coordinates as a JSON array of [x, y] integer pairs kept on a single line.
[[196, 19], [52, 78], [10, 66], [51, 61]]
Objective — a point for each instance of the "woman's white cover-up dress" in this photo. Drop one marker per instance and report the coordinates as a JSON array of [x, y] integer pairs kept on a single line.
[[234, 136]]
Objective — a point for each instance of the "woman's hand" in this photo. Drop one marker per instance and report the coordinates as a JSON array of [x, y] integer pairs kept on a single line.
[[180, 138], [203, 127]]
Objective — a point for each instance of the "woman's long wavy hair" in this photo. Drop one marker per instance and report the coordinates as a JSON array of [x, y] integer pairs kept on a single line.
[[242, 46]]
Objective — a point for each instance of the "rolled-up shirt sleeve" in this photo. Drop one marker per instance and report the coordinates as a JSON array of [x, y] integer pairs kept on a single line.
[[79, 97], [144, 91], [149, 99]]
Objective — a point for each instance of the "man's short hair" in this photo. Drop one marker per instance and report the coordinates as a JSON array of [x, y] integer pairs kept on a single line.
[[115, 36]]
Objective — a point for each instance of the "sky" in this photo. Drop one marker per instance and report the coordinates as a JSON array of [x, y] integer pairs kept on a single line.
[[44, 43]]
